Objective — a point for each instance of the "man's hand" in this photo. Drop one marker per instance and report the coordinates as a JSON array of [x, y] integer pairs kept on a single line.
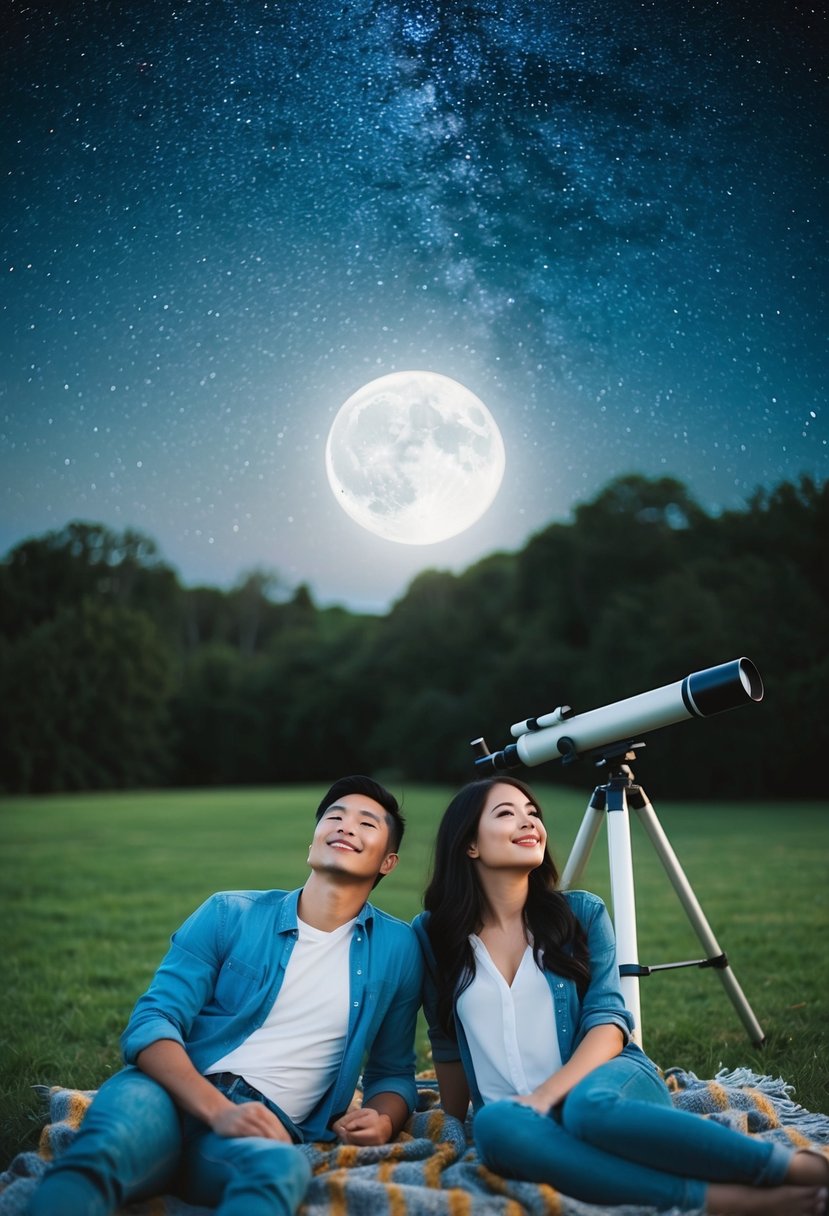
[[364, 1126], [249, 1119]]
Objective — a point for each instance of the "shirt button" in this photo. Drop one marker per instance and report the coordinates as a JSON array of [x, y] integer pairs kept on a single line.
[[356, 1004], [359, 939], [359, 972], [559, 984]]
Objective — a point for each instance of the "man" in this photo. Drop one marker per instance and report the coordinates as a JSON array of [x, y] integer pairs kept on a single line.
[[252, 1034]]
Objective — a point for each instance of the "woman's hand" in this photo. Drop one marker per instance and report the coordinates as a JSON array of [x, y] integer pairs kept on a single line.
[[537, 1100], [600, 1044]]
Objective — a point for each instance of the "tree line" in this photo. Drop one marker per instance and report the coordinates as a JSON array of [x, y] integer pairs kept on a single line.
[[115, 675]]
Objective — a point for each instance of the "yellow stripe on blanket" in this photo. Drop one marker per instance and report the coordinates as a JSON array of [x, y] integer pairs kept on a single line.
[[336, 1193], [718, 1095], [397, 1201], [398, 1149], [501, 1187], [434, 1166], [77, 1106], [460, 1202], [552, 1199], [494, 1181], [44, 1148], [798, 1140], [338, 1197], [765, 1107], [434, 1126]]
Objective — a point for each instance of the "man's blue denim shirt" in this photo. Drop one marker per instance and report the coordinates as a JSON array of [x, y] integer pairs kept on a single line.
[[223, 972], [602, 1003]]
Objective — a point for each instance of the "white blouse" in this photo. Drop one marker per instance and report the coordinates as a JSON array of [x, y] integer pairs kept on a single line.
[[510, 1029]]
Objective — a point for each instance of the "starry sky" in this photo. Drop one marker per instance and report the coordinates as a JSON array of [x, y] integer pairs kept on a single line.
[[222, 217]]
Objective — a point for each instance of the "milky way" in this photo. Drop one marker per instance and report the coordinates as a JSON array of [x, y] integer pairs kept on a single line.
[[221, 219]]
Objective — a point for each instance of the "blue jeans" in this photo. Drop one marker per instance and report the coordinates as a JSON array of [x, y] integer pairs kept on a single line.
[[134, 1143], [617, 1138]]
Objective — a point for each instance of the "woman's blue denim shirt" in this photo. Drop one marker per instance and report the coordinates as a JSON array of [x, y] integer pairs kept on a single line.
[[602, 1003], [224, 970]]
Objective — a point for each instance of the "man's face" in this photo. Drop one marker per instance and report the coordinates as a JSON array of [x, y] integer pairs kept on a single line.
[[352, 840]]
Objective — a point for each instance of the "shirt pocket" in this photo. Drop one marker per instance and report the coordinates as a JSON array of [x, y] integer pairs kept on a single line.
[[237, 980]]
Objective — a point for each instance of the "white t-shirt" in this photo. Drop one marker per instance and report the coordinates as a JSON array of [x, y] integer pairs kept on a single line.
[[295, 1054], [510, 1029]]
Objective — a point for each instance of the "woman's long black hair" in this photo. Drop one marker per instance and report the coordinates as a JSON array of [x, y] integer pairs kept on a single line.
[[455, 902]]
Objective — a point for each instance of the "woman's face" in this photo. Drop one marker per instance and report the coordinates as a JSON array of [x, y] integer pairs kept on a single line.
[[510, 832]]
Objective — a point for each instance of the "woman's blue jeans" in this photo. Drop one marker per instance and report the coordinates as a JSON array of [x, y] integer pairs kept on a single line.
[[134, 1143], [618, 1139]]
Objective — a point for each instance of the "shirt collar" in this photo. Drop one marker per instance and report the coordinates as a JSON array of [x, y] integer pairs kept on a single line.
[[288, 918]]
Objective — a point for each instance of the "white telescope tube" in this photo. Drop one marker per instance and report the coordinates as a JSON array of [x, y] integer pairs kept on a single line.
[[697, 696]]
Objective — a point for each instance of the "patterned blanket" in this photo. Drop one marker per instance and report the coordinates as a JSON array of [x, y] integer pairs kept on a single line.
[[432, 1169]]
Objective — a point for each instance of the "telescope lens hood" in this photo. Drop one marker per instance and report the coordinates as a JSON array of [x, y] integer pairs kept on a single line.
[[720, 688]]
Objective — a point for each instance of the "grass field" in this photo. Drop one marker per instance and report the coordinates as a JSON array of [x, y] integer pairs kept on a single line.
[[91, 886]]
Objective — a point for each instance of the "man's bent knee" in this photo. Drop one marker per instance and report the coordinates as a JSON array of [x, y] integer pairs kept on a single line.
[[127, 1147], [251, 1170], [271, 1161]]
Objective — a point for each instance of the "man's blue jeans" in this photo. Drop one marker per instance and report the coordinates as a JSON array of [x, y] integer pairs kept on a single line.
[[134, 1143], [618, 1139]]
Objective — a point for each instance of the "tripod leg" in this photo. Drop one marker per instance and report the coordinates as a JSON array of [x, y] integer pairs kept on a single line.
[[605, 799], [585, 838], [620, 856], [650, 822]]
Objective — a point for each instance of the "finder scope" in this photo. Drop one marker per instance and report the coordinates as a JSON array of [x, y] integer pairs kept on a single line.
[[565, 735]]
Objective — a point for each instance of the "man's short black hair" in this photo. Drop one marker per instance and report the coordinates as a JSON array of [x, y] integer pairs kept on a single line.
[[358, 784]]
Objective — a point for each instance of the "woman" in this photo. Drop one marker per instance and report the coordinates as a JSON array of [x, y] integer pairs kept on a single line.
[[526, 1017]]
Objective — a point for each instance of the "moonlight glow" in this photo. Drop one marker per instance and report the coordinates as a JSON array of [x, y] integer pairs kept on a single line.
[[414, 457]]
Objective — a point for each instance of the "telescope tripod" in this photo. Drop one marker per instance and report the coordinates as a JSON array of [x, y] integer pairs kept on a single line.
[[614, 799]]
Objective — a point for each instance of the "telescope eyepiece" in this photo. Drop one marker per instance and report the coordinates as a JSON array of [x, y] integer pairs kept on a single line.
[[499, 762]]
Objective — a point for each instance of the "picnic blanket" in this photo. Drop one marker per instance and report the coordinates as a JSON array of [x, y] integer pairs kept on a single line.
[[432, 1168]]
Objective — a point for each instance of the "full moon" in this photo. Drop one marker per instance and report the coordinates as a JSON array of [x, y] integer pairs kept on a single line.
[[414, 457]]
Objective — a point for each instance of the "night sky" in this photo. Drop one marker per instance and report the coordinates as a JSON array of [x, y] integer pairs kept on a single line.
[[222, 218]]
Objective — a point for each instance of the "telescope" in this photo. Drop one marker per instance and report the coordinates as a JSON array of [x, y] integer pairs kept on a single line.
[[563, 735]]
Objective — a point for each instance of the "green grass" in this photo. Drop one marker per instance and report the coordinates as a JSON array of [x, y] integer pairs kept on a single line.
[[91, 886]]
